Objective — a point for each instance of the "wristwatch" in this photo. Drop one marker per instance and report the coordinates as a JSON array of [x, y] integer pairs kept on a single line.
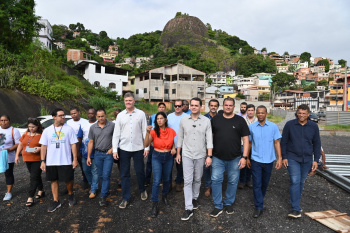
[[245, 157], [210, 156], [42, 161]]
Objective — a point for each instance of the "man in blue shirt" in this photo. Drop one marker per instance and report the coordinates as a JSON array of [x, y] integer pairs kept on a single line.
[[186, 107], [264, 140], [213, 111], [161, 108], [301, 150]]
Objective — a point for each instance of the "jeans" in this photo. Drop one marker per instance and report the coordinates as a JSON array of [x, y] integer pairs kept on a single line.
[[246, 173], [139, 166], [91, 174], [217, 176], [35, 177], [104, 164], [149, 165], [297, 174], [207, 176], [162, 162], [193, 171], [82, 170], [261, 178], [179, 174]]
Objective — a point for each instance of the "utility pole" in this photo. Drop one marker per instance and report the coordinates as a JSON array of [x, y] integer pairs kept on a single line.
[[345, 97]]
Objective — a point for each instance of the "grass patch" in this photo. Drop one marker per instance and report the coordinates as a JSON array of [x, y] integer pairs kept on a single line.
[[275, 119], [337, 127]]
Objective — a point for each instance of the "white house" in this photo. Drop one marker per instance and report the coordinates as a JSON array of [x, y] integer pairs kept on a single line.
[[105, 76], [45, 34], [245, 82], [218, 78]]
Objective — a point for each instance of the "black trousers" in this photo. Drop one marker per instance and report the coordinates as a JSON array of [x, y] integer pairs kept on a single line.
[[35, 177], [10, 178]]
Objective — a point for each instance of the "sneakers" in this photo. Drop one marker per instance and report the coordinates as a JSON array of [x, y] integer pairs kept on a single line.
[[215, 213], [187, 215], [7, 197], [123, 204], [54, 206], [195, 204], [103, 202], [92, 195], [294, 214], [207, 192], [144, 196], [229, 209], [71, 200]]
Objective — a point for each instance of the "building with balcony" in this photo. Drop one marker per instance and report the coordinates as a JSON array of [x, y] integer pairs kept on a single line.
[[45, 34], [171, 82], [245, 82], [104, 76]]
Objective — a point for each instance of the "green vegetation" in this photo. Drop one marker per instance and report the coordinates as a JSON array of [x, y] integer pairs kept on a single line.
[[275, 119], [250, 64], [281, 81], [341, 62], [305, 56], [337, 127], [44, 111], [325, 63]]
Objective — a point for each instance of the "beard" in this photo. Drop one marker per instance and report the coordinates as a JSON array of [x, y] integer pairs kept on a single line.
[[243, 111]]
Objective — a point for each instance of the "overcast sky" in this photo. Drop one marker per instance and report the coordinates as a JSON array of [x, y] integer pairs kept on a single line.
[[320, 27]]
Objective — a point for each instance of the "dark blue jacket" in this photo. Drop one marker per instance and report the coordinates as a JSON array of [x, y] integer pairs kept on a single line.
[[301, 143]]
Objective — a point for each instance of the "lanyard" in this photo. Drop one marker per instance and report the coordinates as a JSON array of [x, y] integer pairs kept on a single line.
[[30, 138], [58, 135]]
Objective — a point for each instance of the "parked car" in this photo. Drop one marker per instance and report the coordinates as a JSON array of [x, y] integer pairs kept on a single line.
[[45, 121], [314, 117], [321, 114]]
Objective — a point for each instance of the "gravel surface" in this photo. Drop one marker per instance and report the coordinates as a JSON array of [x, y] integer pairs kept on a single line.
[[87, 216]]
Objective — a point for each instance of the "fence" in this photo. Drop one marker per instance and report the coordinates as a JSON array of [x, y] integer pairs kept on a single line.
[[338, 118]]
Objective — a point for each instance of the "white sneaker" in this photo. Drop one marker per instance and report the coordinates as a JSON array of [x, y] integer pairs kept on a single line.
[[7, 197]]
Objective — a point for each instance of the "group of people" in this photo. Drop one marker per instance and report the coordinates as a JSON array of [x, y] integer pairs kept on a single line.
[[243, 145]]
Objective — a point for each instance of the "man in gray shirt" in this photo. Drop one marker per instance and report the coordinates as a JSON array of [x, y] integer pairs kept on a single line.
[[194, 137], [100, 139]]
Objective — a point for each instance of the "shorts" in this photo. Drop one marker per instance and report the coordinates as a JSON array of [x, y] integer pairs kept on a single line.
[[63, 173]]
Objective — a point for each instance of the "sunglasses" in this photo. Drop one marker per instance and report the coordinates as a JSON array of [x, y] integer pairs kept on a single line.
[[177, 106], [32, 119]]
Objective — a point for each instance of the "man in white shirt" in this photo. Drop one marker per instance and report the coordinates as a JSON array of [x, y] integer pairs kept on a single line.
[[129, 134], [78, 123], [57, 143]]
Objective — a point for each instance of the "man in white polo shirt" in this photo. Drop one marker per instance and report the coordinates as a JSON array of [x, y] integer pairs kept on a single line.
[[57, 142]]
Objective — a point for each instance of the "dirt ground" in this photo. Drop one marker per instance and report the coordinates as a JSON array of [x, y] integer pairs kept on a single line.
[[88, 216]]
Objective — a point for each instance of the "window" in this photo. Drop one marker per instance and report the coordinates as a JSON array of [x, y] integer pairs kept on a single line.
[[145, 90], [166, 91], [173, 91], [156, 88], [98, 69], [137, 91], [132, 81], [112, 85]]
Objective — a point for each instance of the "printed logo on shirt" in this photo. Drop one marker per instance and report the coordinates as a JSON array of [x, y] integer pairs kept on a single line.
[[60, 136]]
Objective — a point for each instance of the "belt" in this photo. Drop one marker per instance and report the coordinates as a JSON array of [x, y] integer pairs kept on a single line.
[[103, 151]]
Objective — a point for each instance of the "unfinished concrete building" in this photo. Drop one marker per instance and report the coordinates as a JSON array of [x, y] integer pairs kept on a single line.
[[168, 83]]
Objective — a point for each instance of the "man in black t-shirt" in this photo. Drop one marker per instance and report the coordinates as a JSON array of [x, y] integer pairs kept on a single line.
[[228, 129]]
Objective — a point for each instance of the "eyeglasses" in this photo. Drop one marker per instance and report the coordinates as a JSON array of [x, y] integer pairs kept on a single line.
[[177, 106], [60, 116]]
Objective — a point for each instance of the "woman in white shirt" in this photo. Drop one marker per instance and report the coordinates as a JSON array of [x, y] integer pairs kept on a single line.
[[9, 139]]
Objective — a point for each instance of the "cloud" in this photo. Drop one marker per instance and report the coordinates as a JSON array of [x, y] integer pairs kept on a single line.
[[317, 26]]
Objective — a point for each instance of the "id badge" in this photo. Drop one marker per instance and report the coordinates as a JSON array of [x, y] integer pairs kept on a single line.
[[57, 145]]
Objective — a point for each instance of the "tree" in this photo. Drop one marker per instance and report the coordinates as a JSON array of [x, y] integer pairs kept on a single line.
[[103, 35], [270, 53], [59, 32], [324, 62], [282, 81], [310, 87], [305, 56], [18, 24], [341, 62], [250, 64], [284, 64], [209, 81], [286, 53], [292, 68], [264, 49], [323, 82]]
